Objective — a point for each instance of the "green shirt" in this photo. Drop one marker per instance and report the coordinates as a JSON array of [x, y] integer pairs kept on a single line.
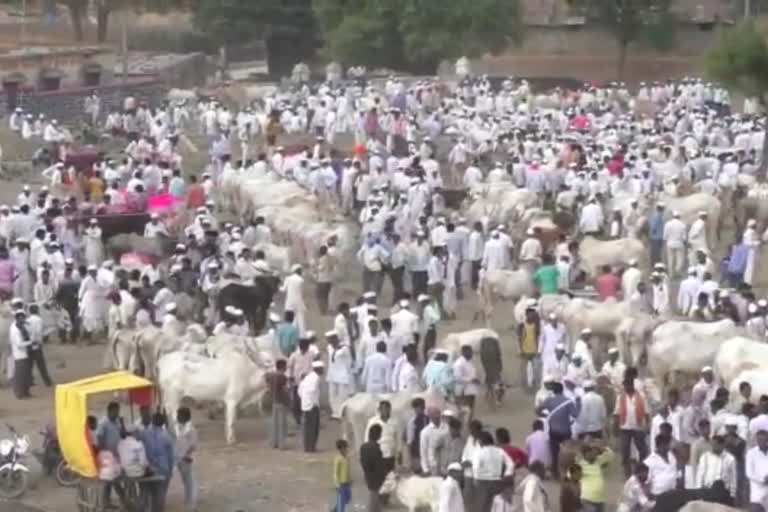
[[287, 338], [547, 278], [592, 478]]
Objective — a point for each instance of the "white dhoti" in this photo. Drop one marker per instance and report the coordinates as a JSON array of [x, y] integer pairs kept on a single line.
[[22, 286], [449, 299], [92, 312], [94, 251], [675, 260], [548, 362], [338, 392], [749, 269]]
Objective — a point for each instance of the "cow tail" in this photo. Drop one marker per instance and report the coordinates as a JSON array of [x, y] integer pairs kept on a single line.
[[490, 357]]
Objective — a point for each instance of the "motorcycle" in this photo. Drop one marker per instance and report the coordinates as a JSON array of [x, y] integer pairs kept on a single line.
[[53, 462], [13, 472]]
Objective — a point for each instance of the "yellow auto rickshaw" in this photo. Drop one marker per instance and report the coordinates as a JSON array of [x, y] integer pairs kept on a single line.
[[75, 439]]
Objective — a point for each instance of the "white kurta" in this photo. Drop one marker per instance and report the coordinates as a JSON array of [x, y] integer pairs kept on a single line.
[[550, 337], [91, 301], [294, 300], [94, 248], [340, 379], [751, 240]]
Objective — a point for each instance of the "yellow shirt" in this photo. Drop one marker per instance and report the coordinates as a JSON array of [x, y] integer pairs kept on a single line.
[[592, 478], [340, 470], [529, 344]]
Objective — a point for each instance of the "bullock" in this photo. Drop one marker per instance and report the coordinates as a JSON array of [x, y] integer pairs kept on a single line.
[[233, 379], [253, 300], [509, 284], [485, 343], [687, 347], [602, 317], [737, 355], [545, 305], [633, 335], [361, 407], [595, 254], [418, 493]]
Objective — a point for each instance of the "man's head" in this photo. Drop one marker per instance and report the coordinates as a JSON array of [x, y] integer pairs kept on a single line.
[[183, 415], [374, 433], [466, 352], [418, 405], [663, 442], [385, 409], [113, 411]]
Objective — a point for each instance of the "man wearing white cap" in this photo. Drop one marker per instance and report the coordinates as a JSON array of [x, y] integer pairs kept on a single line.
[[340, 377], [405, 325], [450, 497], [94, 247], [591, 220], [19, 256], [697, 237], [687, 292], [21, 341], [530, 251], [553, 334], [494, 253], [751, 240], [91, 299], [154, 227], [706, 384], [674, 239], [583, 348], [614, 368], [293, 287], [171, 324], [309, 394]]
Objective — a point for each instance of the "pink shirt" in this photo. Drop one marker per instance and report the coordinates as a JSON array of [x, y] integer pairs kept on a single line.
[[7, 271], [608, 285]]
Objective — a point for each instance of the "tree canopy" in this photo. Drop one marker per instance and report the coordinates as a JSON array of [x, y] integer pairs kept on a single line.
[[649, 22], [415, 34]]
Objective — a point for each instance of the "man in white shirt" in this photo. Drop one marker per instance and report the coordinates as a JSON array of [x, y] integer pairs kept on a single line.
[[377, 370], [391, 434], [757, 472], [294, 297], [630, 278], [490, 465], [592, 417], [154, 227], [591, 221], [340, 378], [475, 250], [697, 237], [674, 239], [430, 443], [688, 292], [372, 256], [717, 465], [465, 375], [451, 499], [408, 375], [662, 467], [530, 250], [20, 341], [309, 395]]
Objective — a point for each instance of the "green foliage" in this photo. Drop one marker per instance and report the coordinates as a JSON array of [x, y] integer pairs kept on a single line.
[[740, 61], [415, 34], [630, 21]]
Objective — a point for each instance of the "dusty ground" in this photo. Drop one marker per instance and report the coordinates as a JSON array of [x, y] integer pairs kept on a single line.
[[250, 476]]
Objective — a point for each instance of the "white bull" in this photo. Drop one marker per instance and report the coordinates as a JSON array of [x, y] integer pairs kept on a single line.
[[687, 347], [633, 335], [361, 407], [233, 379], [419, 493], [602, 317], [499, 202], [594, 253], [737, 355], [509, 284], [545, 305]]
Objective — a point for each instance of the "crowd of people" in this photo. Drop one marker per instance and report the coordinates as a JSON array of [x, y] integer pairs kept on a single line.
[[577, 151]]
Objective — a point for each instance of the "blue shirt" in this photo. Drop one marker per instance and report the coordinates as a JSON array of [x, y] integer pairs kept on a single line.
[[656, 227], [287, 338], [108, 435], [561, 414], [159, 448]]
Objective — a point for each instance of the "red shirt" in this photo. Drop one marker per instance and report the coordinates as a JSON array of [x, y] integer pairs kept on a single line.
[[608, 285], [518, 456], [195, 196]]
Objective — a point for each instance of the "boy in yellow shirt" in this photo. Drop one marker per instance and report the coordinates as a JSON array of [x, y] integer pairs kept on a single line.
[[341, 477], [593, 461]]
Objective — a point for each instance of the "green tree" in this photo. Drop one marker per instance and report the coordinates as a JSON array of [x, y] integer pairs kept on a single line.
[[740, 62], [416, 35], [630, 22], [286, 26]]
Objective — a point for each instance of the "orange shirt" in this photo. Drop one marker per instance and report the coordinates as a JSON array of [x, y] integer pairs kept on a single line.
[[195, 196]]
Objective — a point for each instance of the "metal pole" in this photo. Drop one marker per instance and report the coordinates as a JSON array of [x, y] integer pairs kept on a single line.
[[747, 8]]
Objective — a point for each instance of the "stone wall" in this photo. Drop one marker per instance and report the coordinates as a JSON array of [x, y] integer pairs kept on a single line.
[[66, 105]]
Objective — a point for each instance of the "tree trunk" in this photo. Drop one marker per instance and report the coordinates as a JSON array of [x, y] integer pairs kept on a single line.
[[76, 15], [623, 45], [102, 21]]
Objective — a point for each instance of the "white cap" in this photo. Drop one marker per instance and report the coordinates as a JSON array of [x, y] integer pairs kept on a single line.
[[613, 350], [296, 267], [762, 303], [552, 316], [318, 364], [404, 303], [93, 221], [530, 232], [93, 267], [560, 346], [633, 262], [706, 369], [422, 297], [691, 270], [660, 204], [587, 384], [237, 312], [181, 247], [586, 330], [454, 466], [230, 310], [532, 303], [548, 379], [330, 333], [449, 413], [751, 222], [752, 308], [274, 317], [702, 213], [213, 265], [369, 295], [171, 306], [308, 335], [154, 215]]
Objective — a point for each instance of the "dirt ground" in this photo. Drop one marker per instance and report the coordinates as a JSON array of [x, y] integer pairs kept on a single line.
[[249, 476]]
